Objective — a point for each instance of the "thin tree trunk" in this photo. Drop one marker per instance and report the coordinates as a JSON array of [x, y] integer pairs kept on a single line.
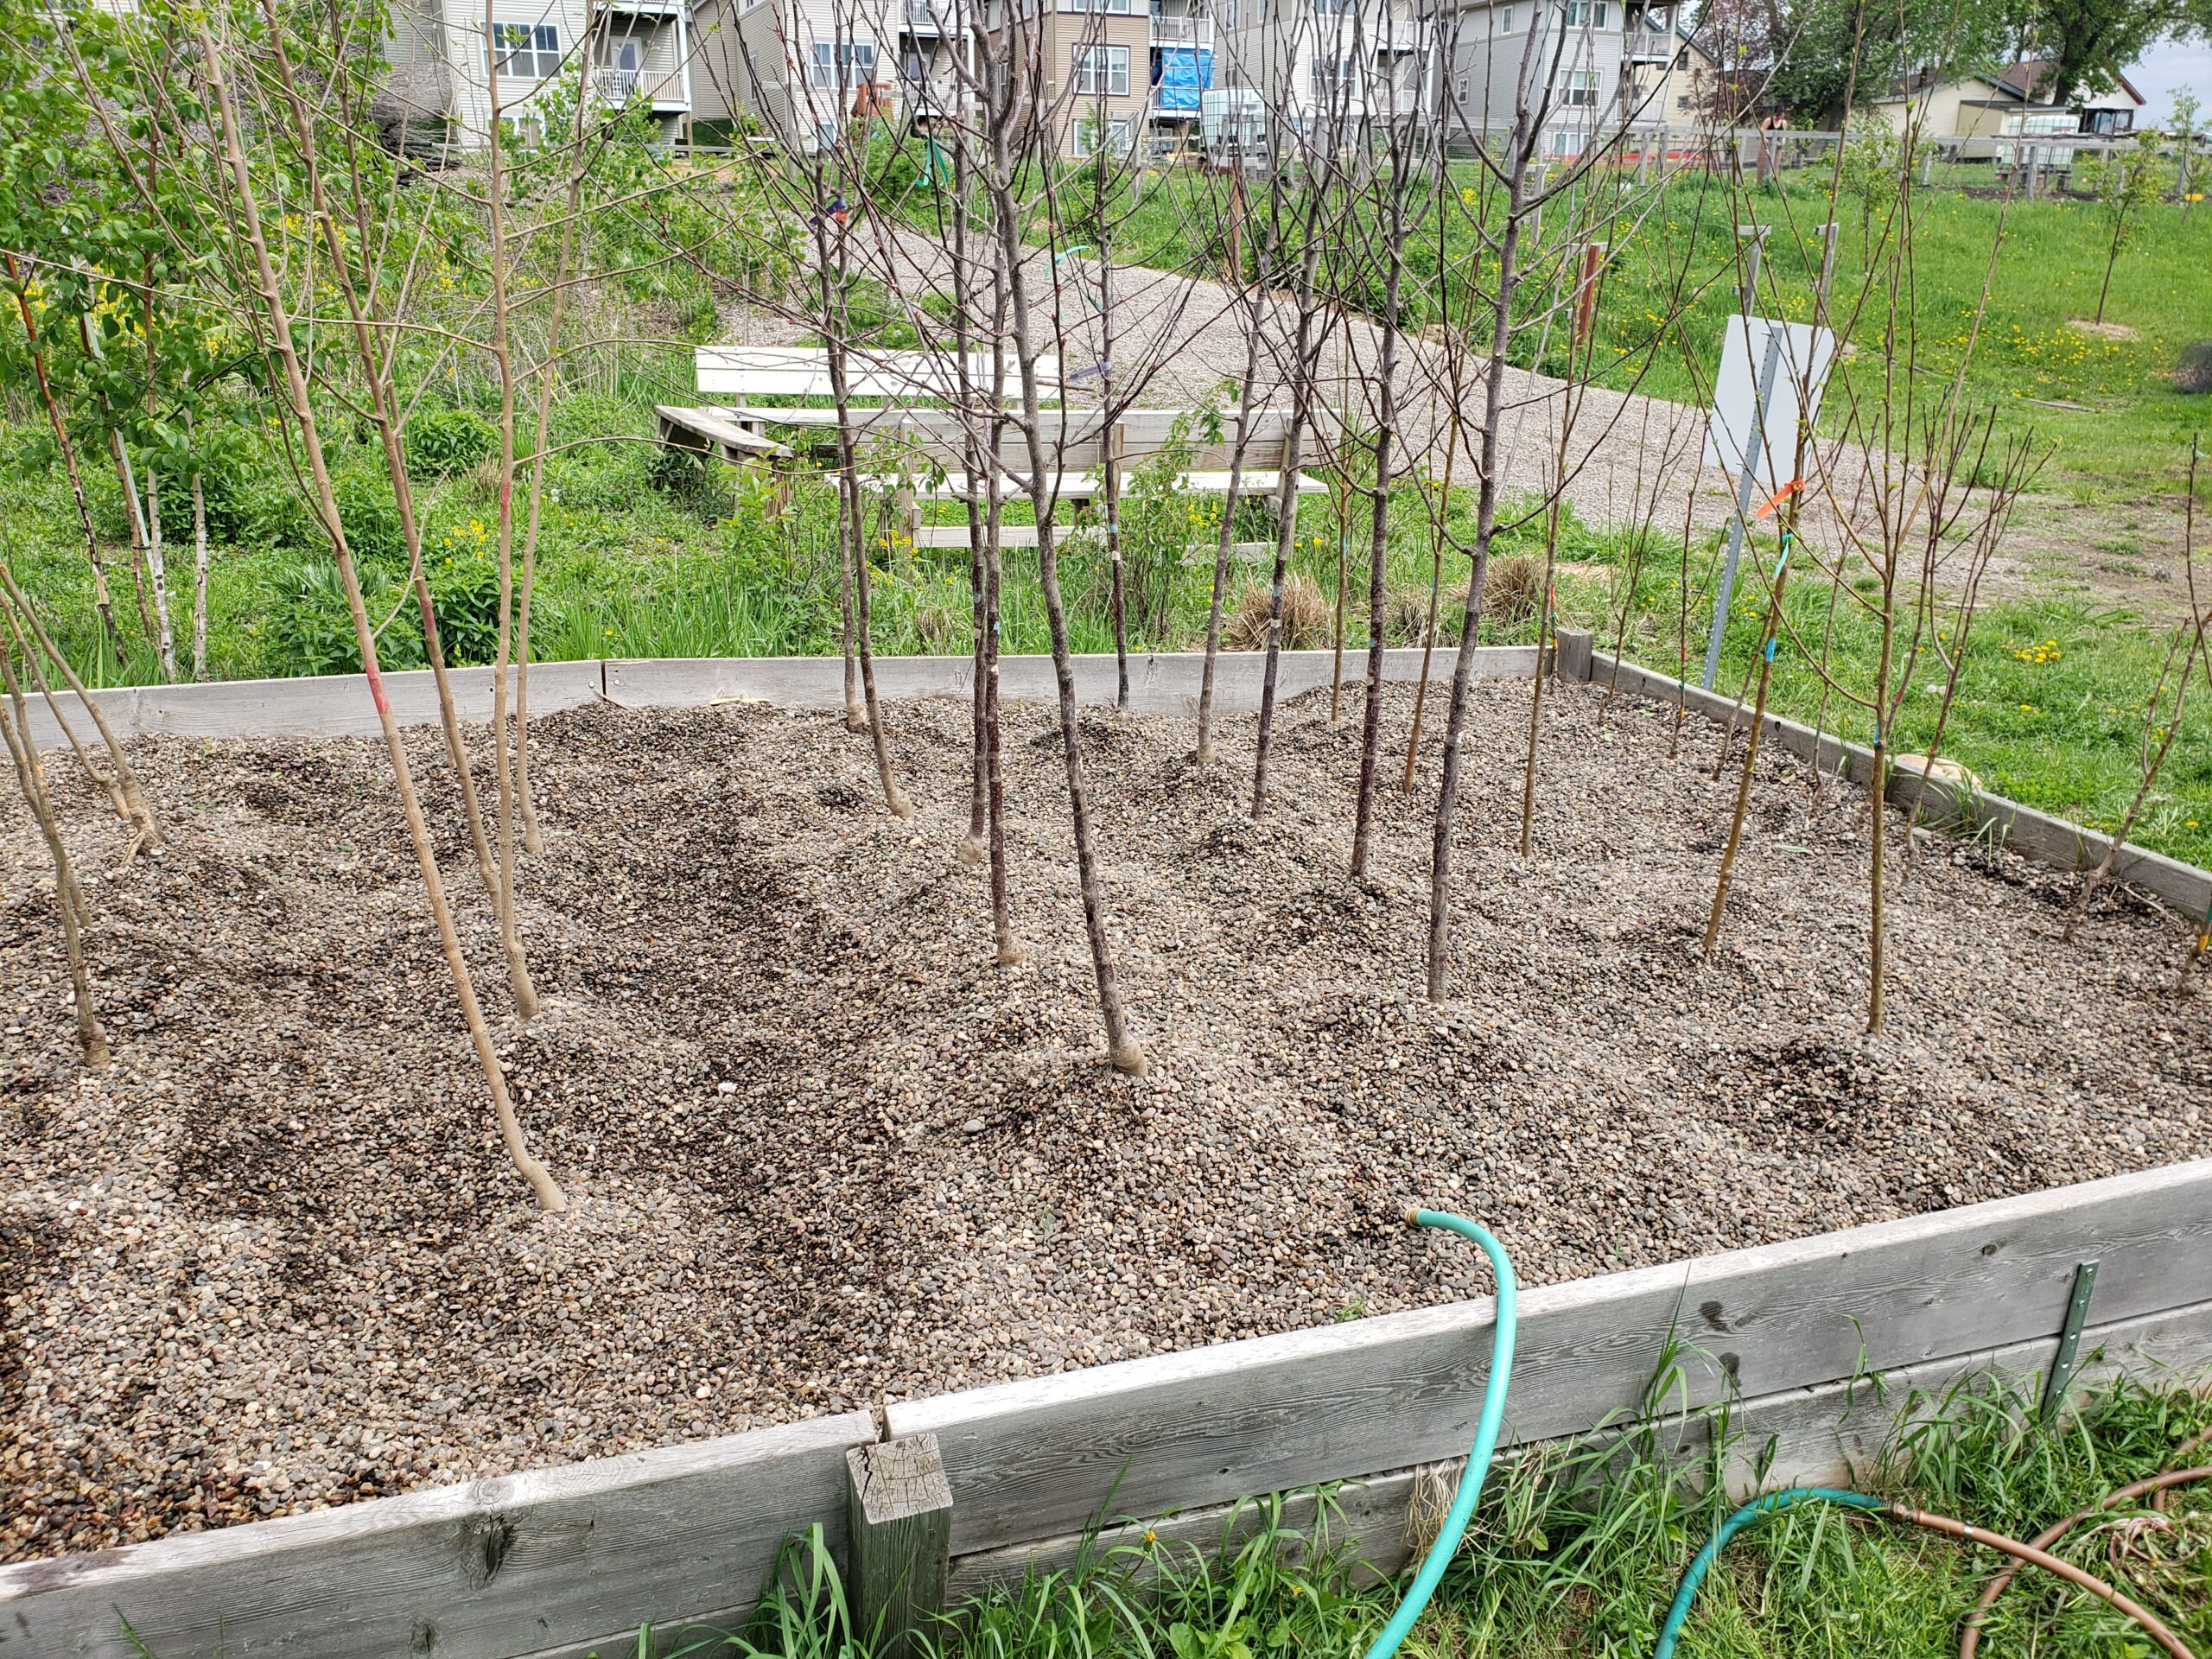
[[525, 993], [1286, 513], [1224, 542], [133, 798], [1122, 1049], [533, 835], [199, 580], [91, 1038], [384, 409], [549, 1194], [1371, 736], [101, 600], [1751, 752], [1447, 794], [157, 573], [105, 779]]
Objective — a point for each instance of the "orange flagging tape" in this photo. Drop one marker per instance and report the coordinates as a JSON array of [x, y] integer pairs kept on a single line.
[[1780, 496]]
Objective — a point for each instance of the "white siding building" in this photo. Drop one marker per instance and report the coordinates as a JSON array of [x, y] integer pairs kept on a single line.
[[1312, 61], [1609, 62], [438, 89]]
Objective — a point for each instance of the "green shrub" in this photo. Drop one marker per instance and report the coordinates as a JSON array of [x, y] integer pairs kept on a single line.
[[465, 595], [309, 629], [448, 440], [370, 517]]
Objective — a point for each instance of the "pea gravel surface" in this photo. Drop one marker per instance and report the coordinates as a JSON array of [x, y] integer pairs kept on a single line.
[[820, 1150]]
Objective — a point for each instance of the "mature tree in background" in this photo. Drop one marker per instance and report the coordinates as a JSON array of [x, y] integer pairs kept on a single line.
[[2088, 42], [1798, 56]]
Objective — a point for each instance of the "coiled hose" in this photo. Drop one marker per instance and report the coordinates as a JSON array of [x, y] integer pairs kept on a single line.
[[1678, 1615], [1488, 1425], [1487, 1430]]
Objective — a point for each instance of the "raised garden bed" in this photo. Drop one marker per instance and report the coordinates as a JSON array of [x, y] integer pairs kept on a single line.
[[824, 1155]]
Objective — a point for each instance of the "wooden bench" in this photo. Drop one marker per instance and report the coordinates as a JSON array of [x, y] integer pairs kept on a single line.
[[892, 381], [713, 432]]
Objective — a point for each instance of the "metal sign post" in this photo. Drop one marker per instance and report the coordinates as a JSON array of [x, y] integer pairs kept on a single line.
[[1746, 481]]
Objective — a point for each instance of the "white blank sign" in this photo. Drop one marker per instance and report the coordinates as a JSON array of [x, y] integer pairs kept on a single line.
[[1807, 352]]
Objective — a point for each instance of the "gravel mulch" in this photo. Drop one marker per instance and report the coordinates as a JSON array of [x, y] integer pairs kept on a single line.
[[820, 1150]]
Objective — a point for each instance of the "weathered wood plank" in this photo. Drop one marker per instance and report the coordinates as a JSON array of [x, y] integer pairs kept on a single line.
[[331, 705], [898, 1528], [1826, 1435], [482, 1570], [2040, 835], [1040, 1457], [1160, 683]]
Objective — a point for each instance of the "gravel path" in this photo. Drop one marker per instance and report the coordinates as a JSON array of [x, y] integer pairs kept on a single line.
[[819, 1151]]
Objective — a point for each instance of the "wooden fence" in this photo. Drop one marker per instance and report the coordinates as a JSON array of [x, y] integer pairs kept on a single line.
[[560, 1563]]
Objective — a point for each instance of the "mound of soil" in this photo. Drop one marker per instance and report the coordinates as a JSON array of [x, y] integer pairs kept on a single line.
[[820, 1150]]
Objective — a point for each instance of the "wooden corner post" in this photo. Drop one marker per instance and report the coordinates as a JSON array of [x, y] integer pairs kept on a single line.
[[901, 1531]]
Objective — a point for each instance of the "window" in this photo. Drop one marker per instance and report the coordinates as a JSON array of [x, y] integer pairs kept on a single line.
[[1501, 20], [1333, 8], [1111, 8], [1101, 70], [1086, 137], [1232, 13], [1333, 80], [1585, 14], [847, 63], [526, 51], [1578, 89]]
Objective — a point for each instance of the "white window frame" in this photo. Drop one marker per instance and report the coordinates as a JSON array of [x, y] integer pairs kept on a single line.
[[1107, 8], [1119, 135], [853, 60], [1102, 72], [529, 51], [1579, 89], [1587, 14], [1333, 78]]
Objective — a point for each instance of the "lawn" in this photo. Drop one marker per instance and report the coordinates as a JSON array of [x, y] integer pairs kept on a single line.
[[2125, 435]]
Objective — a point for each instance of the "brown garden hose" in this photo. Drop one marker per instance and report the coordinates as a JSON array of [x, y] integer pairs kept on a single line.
[[2034, 1551]]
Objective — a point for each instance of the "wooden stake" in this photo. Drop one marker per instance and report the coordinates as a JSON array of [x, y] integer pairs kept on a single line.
[[900, 1526]]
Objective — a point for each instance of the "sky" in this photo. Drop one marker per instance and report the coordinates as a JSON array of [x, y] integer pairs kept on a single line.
[[2173, 68]]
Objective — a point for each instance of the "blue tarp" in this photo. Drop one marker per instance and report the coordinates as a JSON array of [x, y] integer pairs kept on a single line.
[[1184, 72]]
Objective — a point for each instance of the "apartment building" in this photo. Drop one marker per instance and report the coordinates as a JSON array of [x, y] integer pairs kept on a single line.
[[438, 90], [1314, 62], [1114, 73], [1609, 62]]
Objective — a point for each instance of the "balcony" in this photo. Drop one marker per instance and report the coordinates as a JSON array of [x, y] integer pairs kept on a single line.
[[1649, 45], [933, 16], [663, 89], [1182, 31]]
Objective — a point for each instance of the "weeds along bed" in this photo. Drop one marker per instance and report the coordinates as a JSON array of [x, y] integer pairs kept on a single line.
[[1577, 1547], [641, 561]]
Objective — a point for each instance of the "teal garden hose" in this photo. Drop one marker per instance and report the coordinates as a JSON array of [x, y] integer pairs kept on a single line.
[[1486, 1429], [1670, 1633]]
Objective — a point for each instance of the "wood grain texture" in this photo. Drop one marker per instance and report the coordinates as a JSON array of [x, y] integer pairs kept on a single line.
[[900, 1531], [1160, 683], [481, 1570], [332, 705], [1827, 1436], [1040, 1457]]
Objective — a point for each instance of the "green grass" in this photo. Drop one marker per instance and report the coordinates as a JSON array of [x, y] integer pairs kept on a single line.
[[2051, 703], [2051, 710], [1576, 1549], [2130, 439]]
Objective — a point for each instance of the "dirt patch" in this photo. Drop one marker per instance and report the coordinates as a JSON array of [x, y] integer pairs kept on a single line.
[[2100, 330], [820, 1151]]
